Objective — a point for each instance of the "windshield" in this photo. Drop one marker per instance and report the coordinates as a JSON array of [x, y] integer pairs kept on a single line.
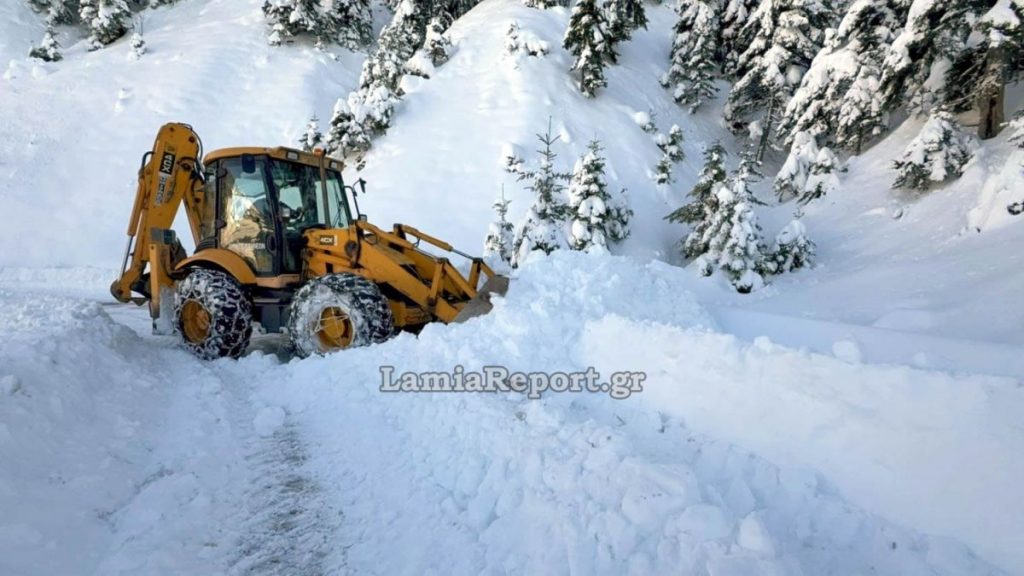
[[302, 199]]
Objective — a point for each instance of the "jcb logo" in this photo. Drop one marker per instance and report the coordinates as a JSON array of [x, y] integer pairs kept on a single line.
[[167, 163]]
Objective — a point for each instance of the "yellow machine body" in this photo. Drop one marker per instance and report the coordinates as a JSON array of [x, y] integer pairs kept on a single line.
[[420, 286]]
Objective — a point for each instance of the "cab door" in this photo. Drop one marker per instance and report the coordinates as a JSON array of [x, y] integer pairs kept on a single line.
[[246, 213]]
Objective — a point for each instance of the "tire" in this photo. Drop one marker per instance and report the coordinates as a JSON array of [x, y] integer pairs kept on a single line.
[[212, 314], [336, 312]]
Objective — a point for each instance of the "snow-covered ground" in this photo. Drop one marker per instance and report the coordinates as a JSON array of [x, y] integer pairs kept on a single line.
[[861, 417]]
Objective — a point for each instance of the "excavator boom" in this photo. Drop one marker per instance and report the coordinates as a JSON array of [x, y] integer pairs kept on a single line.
[[169, 176]]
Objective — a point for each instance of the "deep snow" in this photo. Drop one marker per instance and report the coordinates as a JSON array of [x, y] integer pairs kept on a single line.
[[860, 417], [735, 459]]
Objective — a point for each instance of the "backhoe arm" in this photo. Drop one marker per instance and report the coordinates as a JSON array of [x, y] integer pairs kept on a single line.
[[170, 175]]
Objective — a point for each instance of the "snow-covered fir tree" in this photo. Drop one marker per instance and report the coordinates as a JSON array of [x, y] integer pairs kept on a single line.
[[792, 249], [733, 236], [545, 4], [288, 18], [518, 41], [703, 204], [994, 58], [587, 40], [56, 11], [791, 180], [839, 99], [695, 56], [824, 176], [623, 17], [347, 22], [368, 110], [351, 22], [312, 137], [938, 154], [544, 226], [1017, 130], [136, 45], [500, 233], [598, 218], [437, 44], [926, 61], [734, 16], [809, 172], [106, 20], [48, 50], [672, 153], [346, 135], [781, 38]]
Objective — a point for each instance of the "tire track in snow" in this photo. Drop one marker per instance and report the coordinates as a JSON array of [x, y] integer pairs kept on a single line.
[[289, 521]]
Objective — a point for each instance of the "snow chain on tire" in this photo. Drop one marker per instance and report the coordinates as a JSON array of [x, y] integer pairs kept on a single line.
[[340, 298], [218, 301]]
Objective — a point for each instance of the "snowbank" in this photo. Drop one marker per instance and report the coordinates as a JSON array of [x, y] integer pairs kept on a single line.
[[645, 485]]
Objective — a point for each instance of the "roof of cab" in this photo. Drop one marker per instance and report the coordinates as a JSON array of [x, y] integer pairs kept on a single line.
[[279, 153]]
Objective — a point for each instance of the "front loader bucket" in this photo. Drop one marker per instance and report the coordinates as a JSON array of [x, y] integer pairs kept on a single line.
[[481, 304]]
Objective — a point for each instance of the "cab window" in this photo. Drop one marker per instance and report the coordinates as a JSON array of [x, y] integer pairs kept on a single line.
[[246, 212]]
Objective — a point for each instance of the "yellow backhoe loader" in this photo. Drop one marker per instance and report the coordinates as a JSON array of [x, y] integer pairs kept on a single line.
[[279, 243]]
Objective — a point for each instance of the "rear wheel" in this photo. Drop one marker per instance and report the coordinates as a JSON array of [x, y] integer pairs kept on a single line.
[[338, 311], [212, 314]]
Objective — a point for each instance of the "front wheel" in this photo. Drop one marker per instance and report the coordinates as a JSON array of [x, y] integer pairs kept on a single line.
[[212, 314], [338, 311]]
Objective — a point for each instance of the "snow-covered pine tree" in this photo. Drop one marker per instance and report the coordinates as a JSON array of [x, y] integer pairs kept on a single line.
[[929, 53], [1017, 130], [791, 180], [313, 137], [437, 44], [792, 249], [347, 22], [451, 10], [703, 204], [586, 38], [350, 22], [597, 219], [345, 135], [993, 58], [782, 37], [521, 41], [823, 178], [695, 54], [500, 233], [56, 11], [136, 45], [623, 17], [544, 226], [48, 50], [290, 18], [734, 17], [733, 236], [838, 99], [672, 153], [372, 105], [106, 20], [938, 154]]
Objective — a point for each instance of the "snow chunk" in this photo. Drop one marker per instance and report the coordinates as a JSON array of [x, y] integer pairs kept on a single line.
[[754, 536]]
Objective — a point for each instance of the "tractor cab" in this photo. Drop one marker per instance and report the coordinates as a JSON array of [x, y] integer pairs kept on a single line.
[[260, 201]]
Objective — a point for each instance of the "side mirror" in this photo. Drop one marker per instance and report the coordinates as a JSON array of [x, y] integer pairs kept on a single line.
[[362, 186], [362, 218], [248, 163]]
